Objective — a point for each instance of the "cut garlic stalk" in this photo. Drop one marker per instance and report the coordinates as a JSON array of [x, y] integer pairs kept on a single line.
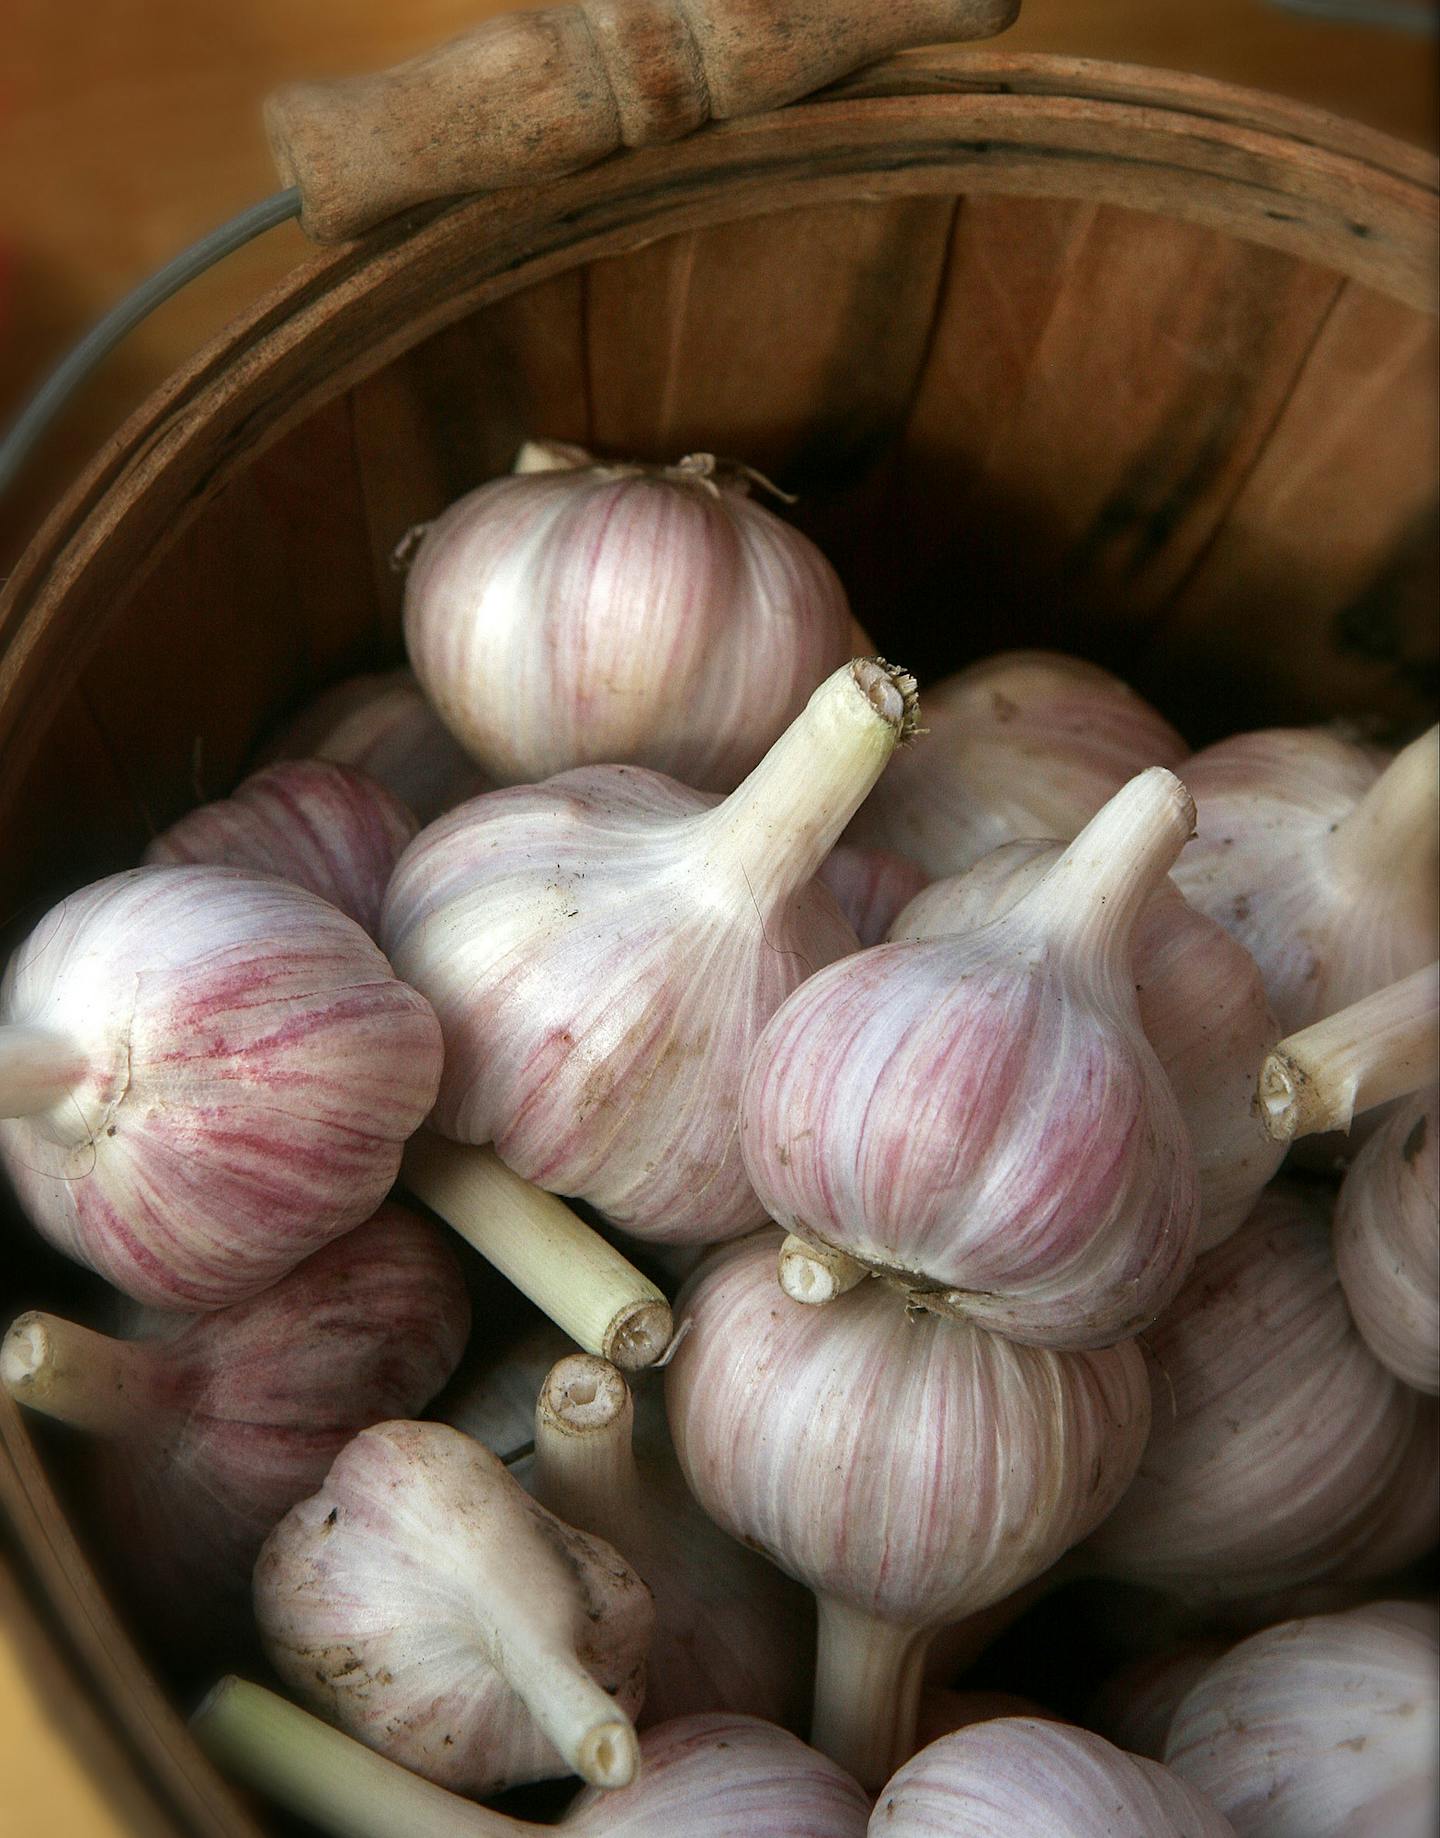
[[1384, 1046], [566, 1269]]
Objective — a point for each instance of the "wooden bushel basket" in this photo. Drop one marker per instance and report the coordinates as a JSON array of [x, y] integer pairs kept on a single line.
[[1129, 364]]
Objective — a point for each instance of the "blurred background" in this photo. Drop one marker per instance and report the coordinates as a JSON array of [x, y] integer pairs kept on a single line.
[[129, 128]]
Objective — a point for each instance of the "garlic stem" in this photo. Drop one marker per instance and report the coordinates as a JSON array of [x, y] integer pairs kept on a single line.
[[1384, 1046], [37, 1069], [1089, 901], [816, 1273], [868, 1678], [1391, 831], [579, 1716], [329, 1778], [88, 1380], [780, 823], [585, 1469], [582, 1283]]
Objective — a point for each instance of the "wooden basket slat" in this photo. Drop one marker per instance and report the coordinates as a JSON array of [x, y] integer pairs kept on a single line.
[[1326, 561], [805, 371]]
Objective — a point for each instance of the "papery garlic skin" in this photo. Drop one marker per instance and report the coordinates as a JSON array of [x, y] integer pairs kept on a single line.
[[414, 1600], [1319, 855], [1202, 1005], [1387, 1248], [910, 1469], [1282, 1452], [250, 1069], [383, 726], [1021, 1775], [1320, 1728], [232, 1417], [1027, 743], [604, 949], [873, 886], [324, 827], [621, 614], [981, 1116]]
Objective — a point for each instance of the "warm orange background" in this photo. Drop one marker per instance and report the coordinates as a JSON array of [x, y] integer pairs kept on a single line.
[[130, 127]]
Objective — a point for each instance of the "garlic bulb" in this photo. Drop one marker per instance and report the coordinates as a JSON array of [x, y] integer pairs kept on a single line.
[[1320, 859], [1282, 1452], [1028, 743], [981, 1116], [1018, 1775], [700, 1777], [650, 615], [328, 828], [207, 1431], [731, 1632], [910, 1469], [1387, 1249], [872, 886], [1202, 1006], [603, 950], [492, 1399], [1384, 1046], [423, 1602], [205, 1076], [1320, 1728], [384, 727]]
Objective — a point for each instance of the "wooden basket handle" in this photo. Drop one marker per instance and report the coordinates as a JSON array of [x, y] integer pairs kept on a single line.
[[529, 96]]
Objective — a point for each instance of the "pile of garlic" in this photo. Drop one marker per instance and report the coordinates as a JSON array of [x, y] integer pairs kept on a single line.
[[887, 1106]]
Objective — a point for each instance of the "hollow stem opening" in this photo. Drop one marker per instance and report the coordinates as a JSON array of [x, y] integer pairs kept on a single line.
[[814, 1273], [108, 1387]]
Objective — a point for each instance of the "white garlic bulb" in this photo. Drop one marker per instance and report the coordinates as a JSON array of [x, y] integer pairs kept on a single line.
[[1017, 1775], [910, 1469], [596, 613], [1281, 1451], [1202, 1006], [604, 949], [1322, 1728], [422, 1601], [1387, 1248], [1028, 743], [1320, 857]]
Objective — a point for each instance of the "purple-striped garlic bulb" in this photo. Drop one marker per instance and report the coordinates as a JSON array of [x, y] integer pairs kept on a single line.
[[325, 827], [593, 613], [1024, 1775], [383, 726], [1387, 1249], [205, 1075], [981, 1116], [1320, 1728], [1383, 1046], [424, 1602], [1281, 1451], [709, 1776], [872, 886], [1320, 858], [731, 1631], [205, 1432], [1202, 1006], [1028, 743], [604, 949], [909, 1468]]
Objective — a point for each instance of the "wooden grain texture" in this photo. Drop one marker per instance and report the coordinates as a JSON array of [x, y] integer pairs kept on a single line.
[[805, 371], [1100, 382], [533, 95], [1327, 556]]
